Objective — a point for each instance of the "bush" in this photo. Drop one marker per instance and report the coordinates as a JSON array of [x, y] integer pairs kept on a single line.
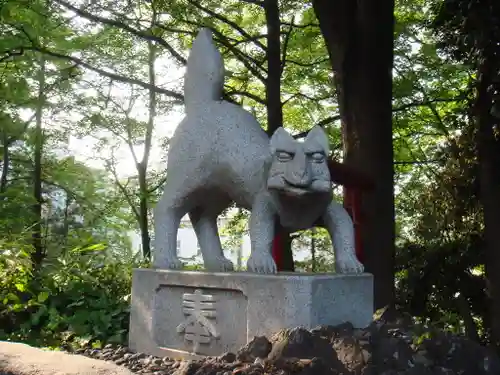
[[77, 300]]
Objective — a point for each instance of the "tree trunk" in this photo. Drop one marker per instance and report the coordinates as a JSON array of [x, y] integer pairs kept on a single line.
[[469, 324], [65, 232], [273, 83], [489, 177], [359, 39], [143, 212], [5, 165], [142, 167], [38, 253], [274, 104]]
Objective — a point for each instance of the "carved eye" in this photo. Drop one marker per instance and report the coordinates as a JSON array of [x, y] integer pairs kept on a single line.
[[318, 157], [284, 156]]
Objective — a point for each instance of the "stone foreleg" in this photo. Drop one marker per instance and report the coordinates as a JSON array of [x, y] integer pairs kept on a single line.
[[340, 227], [261, 237]]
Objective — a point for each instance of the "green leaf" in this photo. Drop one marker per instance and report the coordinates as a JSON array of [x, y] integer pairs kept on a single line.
[[42, 297]]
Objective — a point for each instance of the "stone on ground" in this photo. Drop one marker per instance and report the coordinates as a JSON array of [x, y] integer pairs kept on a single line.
[[21, 359], [389, 346]]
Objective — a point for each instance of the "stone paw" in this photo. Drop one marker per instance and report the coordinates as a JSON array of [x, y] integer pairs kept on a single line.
[[219, 264], [261, 263], [171, 263], [348, 263]]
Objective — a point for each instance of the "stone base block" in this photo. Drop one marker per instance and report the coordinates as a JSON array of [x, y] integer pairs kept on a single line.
[[185, 314]]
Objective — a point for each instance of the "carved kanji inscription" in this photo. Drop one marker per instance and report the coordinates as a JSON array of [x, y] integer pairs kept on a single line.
[[199, 326]]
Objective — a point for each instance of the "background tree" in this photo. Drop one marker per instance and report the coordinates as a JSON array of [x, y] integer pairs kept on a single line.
[[469, 32], [359, 39]]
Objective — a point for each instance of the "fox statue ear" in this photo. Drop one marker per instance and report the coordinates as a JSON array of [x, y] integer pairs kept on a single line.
[[318, 135], [281, 139]]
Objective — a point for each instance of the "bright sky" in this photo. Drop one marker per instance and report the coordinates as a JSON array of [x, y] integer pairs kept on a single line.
[[85, 149], [167, 75]]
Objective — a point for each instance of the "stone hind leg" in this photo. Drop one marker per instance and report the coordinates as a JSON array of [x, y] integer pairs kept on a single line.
[[205, 226], [167, 217]]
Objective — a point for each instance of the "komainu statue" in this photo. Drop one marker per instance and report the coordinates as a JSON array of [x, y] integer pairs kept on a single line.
[[219, 154]]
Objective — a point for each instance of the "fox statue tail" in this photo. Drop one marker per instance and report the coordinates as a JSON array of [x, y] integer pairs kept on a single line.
[[204, 79]]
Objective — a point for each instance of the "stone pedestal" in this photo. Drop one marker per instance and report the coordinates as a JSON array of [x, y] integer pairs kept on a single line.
[[185, 314]]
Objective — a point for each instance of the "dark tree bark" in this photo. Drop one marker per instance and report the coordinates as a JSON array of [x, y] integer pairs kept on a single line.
[[273, 83], [469, 32], [38, 253], [273, 102], [143, 211], [489, 176], [5, 164], [359, 39]]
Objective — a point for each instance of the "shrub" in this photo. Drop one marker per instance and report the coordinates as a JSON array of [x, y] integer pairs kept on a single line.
[[80, 299]]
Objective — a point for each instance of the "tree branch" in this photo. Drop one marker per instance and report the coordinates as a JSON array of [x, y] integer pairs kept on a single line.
[[254, 97], [290, 24], [113, 76], [403, 107], [428, 103], [125, 27], [228, 22], [158, 185], [256, 2], [418, 162], [244, 58], [124, 191], [322, 123], [10, 54], [285, 45], [308, 65]]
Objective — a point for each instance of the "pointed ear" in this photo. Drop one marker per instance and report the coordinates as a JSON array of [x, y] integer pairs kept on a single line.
[[317, 135], [281, 140]]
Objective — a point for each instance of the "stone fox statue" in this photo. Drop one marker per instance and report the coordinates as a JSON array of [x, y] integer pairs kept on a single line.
[[219, 154]]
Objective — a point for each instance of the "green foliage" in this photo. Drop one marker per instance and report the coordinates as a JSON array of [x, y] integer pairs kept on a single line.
[[81, 299]]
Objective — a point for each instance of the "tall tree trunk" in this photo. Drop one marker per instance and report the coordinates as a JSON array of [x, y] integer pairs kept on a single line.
[[65, 232], [38, 251], [273, 84], [142, 166], [143, 212], [359, 39], [5, 165], [489, 177], [274, 104]]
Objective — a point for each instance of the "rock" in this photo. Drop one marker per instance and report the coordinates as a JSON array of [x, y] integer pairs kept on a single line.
[[300, 343], [21, 359], [259, 347], [228, 357], [187, 368]]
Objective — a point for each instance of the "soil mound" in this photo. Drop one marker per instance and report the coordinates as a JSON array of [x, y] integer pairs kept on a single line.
[[397, 347]]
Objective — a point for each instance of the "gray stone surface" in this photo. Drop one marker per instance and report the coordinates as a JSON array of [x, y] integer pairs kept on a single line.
[[185, 314], [220, 154], [21, 359]]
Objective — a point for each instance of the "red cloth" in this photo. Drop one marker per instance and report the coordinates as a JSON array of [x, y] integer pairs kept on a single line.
[[277, 250], [352, 203]]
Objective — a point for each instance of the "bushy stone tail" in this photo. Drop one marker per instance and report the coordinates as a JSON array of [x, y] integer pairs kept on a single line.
[[204, 80]]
